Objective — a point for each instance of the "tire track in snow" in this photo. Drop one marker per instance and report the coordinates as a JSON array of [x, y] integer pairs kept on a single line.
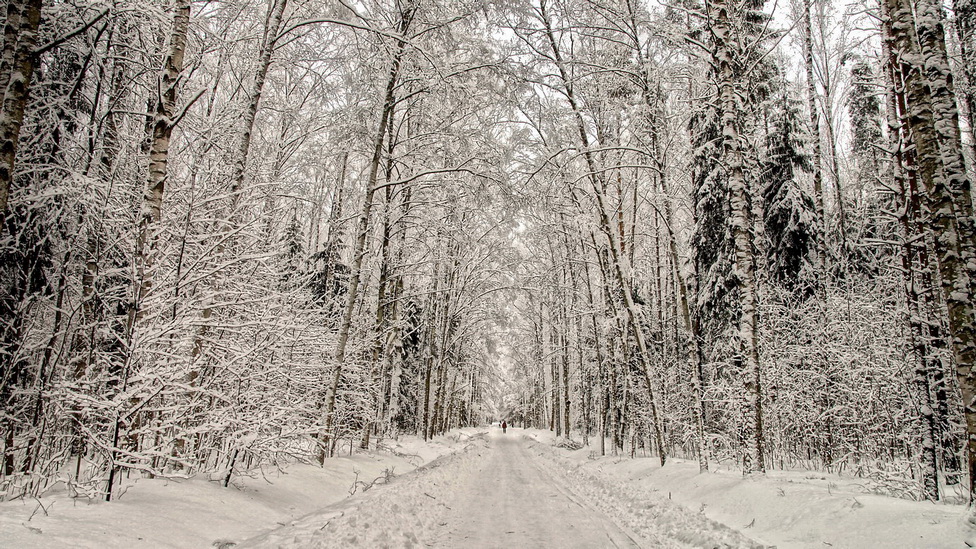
[[508, 500], [511, 492], [658, 521]]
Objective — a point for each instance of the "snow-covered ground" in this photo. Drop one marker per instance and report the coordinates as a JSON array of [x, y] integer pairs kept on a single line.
[[202, 513], [799, 509], [502, 491], [480, 488]]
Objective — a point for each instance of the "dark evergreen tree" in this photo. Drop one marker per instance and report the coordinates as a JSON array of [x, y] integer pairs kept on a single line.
[[865, 111], [864, 107], [790, 214], [292, 249], [712, 239], [712, 242]]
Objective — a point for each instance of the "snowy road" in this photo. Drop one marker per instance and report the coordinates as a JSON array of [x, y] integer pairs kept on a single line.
[[510, 500], [502, 491]]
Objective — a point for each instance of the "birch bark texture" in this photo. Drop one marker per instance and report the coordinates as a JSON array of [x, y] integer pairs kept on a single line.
[[917, 42], [163, 121], [730, 74], [17, 62]]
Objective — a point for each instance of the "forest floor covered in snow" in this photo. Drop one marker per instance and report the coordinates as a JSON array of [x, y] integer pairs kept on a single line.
[[783, 509], [200, 512], [481, 488]]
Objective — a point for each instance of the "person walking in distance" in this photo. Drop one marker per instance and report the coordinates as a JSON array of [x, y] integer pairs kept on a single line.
[[504, 426]]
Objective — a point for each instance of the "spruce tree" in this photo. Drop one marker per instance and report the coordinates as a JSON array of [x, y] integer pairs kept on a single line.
[[790, 213]]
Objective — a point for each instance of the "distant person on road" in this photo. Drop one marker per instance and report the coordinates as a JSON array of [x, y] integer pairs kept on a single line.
[[504, 426]]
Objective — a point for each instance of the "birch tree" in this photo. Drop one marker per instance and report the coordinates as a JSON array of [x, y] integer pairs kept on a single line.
[[917, 43]]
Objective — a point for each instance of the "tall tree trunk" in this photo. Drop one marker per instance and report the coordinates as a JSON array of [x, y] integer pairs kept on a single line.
[[276, 11], [17, 61], [555, 422], [692, 345], [838, 187], [359, 248], [817, 152], [378, 362], [965, 12], [730, 95], [161, 133], [656, 118], [448, 326], [601, 370], [272, 25], [565, 369], [394, 353], [430, 351], [619, 259], [161, 129], [928, 366], [379, 327], [919, 47]]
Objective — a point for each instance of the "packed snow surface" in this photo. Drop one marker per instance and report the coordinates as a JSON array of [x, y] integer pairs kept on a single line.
[[479, 488], [504, 490], [782, 509]]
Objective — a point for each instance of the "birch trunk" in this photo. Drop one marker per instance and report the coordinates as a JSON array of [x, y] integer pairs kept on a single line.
[[379, 326], [693, 345], [555, 421], [919, 49], [394, 354], [619, 262], [817, 152], [601, 372], [17, 61], [904, 176], [730, 93], [446, 334], [433, 306], [161, 132], [965, 12], [276, 11], [564, 336], [693, 348]]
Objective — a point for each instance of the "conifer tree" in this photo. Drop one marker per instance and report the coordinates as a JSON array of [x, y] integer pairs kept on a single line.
[[790, 213]]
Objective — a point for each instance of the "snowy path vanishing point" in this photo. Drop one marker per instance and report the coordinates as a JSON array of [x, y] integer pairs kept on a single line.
[[500, 493]]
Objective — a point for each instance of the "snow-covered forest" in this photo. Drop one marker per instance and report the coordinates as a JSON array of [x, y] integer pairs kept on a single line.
[[246, 233]]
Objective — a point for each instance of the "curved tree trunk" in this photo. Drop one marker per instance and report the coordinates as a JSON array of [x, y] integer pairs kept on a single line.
[[272, 26]]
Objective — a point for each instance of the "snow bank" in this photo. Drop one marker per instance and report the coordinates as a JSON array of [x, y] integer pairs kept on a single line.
[[653, 516], [308, 506], [403, 513], [201, 513], [783, 509]]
